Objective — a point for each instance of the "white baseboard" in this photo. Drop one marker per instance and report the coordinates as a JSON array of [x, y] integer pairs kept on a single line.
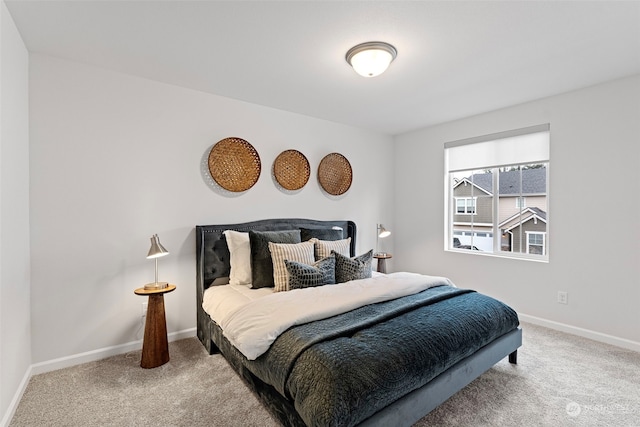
[[77, 359], [585, 333], [11, 410], [101, 353]]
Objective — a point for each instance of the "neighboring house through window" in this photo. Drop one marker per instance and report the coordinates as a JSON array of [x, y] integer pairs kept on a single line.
[[498, 187], [465, 205]]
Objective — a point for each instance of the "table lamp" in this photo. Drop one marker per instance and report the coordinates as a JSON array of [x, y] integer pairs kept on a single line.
[[381, 233], [156, 251]]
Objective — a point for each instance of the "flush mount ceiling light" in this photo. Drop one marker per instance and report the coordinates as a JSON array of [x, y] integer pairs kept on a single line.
[[372, 58]]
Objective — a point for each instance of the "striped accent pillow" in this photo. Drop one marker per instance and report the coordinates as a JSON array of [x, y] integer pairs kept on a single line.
[[323, 248], [299, 252]]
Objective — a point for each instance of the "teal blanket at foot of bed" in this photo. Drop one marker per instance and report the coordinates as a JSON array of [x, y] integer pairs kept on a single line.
[[340, 371]]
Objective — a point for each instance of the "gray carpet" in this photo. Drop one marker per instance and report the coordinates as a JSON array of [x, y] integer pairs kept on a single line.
[[560, 380]]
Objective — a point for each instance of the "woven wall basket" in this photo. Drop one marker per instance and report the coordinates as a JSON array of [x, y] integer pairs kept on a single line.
[[234, 164], [335, 174], [291, 170]]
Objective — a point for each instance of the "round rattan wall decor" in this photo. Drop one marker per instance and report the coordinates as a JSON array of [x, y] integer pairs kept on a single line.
[[234, 164], [291, 169], [335, 174]]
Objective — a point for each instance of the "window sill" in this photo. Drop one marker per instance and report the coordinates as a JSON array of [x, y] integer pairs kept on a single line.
[[520, 257]]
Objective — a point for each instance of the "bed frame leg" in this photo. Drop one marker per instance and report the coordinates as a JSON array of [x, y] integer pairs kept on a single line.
[[513, 357]]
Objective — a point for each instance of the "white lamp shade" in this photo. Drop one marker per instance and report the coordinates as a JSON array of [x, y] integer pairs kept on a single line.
[[372, 58], [371, 63]]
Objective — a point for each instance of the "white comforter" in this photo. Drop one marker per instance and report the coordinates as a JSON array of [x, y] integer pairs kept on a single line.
[[254, 326]]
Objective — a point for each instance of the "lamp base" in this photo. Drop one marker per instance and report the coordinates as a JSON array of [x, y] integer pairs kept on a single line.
[[156, 285]]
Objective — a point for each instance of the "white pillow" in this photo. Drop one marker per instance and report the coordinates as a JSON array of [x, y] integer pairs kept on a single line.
[[299, 252], [323, 248], [240, 259]]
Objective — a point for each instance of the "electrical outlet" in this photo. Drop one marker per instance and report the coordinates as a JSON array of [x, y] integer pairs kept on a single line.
[[144, 309], [563, 297]]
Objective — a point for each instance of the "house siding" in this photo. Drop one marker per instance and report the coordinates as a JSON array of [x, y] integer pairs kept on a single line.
[[468, 190], [518, 237], [484, 208]]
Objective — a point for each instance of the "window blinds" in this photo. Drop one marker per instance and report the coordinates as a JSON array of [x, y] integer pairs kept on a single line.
[[519, 146]]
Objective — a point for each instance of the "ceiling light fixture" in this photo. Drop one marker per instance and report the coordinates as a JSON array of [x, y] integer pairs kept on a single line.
[[371, 59]]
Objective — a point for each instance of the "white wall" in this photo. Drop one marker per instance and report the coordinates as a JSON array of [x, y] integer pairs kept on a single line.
[[594, 204], [15, 334], [116, 158]]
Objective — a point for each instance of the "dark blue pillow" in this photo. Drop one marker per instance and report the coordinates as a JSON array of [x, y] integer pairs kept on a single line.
[[321, 234], [261, 263], [306, 276], [353, 268]]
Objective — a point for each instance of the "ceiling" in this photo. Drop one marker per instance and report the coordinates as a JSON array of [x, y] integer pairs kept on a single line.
[[455, 58]]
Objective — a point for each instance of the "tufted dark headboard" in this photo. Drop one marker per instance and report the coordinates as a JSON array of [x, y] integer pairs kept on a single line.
[[212, 253]]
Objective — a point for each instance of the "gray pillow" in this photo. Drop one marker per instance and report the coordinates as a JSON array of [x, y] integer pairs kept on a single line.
[[305, 276], [261, 263], [353, 268], [320, 234]]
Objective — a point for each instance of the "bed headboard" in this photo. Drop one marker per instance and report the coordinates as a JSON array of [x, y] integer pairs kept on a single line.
[[212, 252]]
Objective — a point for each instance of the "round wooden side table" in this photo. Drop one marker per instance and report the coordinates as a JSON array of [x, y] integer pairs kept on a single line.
[[155, 346], [382, 261]]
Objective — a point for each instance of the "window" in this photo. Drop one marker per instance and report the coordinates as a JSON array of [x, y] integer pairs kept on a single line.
[[497, 185], [466, 205], [535, 243]]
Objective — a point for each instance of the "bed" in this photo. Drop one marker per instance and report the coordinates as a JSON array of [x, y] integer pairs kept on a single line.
[[389, 362]]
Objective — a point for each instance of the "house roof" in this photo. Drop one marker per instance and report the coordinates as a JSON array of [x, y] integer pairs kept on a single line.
[[539, 212], [524, 216], [534, 181]]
